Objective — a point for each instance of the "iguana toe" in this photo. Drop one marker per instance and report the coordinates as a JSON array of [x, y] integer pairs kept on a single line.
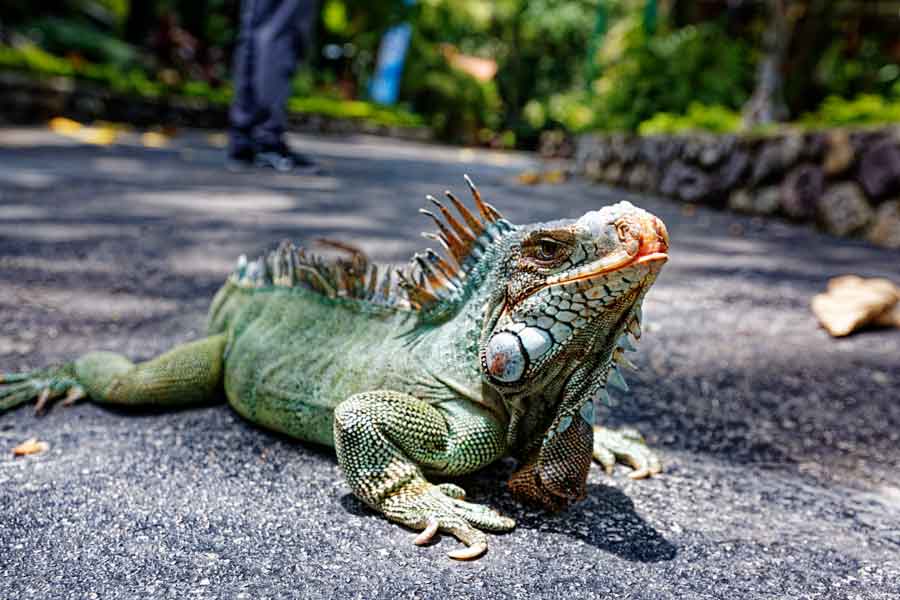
[[452, 490], [626, 446], [428, 533], [606, 458], [433, 510]]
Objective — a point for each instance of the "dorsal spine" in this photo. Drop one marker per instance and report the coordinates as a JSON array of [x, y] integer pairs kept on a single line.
[[430, 284]]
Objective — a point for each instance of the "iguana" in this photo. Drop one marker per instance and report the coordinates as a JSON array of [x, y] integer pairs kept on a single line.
[[495, 349]]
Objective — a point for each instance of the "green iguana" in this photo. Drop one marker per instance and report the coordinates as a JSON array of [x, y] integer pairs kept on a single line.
[[497, 349]]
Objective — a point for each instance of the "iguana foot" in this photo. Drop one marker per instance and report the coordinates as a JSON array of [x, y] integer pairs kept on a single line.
[[44, 386], [627, 446], [434, 508]]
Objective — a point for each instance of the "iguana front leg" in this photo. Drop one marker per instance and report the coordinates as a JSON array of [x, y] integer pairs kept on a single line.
[[188, 374], [386, 441], [627, 446]]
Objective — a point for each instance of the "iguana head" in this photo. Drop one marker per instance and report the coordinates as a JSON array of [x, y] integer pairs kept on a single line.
[[573, 287], [553, 335]]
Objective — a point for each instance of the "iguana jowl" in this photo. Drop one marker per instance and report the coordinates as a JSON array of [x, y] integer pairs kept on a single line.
[[440, 369]]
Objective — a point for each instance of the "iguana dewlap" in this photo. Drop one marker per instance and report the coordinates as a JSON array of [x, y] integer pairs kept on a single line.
[[497, 349]]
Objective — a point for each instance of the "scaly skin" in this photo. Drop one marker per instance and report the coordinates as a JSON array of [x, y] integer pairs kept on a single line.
[[502, 355]]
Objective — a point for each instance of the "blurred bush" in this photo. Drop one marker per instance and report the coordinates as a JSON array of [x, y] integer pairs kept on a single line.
[[699, 117], [76, 37], [458, 106], [540, 49], [135, 82], [644, 75], [865, 109], [865, 69]]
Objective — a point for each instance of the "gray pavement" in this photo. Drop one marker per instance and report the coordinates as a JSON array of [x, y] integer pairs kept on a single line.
[[782, 446]]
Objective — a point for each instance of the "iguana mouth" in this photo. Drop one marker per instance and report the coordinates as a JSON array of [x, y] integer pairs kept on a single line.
[[606, 265]]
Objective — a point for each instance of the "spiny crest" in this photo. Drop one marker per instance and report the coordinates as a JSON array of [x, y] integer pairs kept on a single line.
[[350, 276], [613, 375], [433, 282], [432, 285]]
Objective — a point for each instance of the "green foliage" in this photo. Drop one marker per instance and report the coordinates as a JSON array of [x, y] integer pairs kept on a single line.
[[221, 29], [668, 72], [865, 109], [699, 117], [334, 17], [73, 36], [354, 109], [868, 70], [571, 110], [135, 82], [458, 106], [29, 57], [540, 50]]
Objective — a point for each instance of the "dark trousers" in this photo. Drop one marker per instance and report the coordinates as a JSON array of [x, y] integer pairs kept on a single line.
[[273, 36]]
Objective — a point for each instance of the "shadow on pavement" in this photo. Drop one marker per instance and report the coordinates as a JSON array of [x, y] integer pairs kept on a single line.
[[606, 519]]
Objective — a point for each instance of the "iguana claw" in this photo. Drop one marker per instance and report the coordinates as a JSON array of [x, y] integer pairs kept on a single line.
[[473, 551], [627, 446], [427, 533]]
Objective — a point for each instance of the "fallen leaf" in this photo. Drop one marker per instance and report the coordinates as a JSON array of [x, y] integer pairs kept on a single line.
[[154, 139], [32, 446], [64, 126], [852, 302], [554, 176], [529, 178]]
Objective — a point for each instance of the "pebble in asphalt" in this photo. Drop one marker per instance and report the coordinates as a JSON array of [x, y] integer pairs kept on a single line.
[[781, 444]]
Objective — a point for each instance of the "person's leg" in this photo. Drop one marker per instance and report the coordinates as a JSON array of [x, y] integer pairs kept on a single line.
[[247, 108], [280, 43], [278, 47]]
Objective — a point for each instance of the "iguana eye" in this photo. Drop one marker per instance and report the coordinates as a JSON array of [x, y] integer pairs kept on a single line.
[[547, 249]]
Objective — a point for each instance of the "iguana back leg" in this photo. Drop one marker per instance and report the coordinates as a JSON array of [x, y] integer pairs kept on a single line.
[[386, 441], [186, 375]]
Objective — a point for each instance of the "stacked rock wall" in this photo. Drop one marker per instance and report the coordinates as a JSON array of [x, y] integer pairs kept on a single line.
[[846, 181]]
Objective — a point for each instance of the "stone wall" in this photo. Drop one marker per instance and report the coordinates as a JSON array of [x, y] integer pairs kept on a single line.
[[845, 181]]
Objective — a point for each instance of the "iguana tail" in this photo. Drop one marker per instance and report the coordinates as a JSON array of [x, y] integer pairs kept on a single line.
[[186, 375]]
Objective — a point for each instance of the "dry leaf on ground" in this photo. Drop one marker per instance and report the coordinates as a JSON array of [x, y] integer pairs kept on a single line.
[[552, 176], [852, 302], [32, 446]]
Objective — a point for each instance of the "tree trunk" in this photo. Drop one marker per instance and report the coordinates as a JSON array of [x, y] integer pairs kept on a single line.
[[767, 103]]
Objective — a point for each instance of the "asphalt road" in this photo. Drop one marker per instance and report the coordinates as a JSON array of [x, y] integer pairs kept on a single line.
[[782, 446]]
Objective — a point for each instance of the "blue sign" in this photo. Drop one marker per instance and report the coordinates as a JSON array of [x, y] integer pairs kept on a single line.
[[385, 85]]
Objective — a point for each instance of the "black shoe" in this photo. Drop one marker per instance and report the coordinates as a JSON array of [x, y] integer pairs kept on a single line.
[[241, 159], [283, 160]]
